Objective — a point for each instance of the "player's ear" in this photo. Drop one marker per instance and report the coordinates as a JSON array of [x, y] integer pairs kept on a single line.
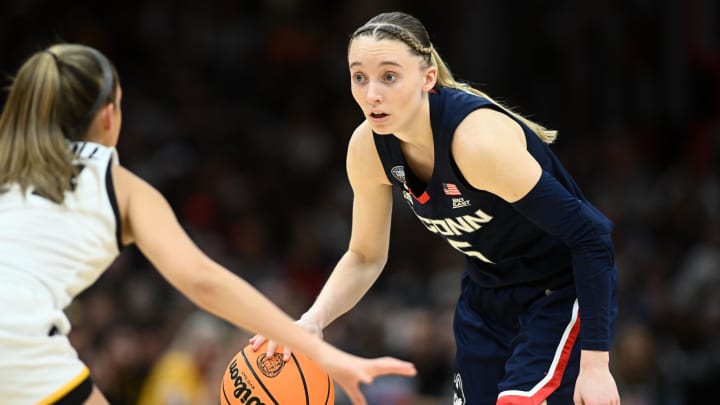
[[430, 78], [107, 116]]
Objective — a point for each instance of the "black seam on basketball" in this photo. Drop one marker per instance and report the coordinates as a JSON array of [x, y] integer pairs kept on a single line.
[[302, 377], [222, 385], [327, 398], [257, 378]]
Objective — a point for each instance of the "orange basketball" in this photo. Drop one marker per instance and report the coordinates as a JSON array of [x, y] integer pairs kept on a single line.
[[253, 378]]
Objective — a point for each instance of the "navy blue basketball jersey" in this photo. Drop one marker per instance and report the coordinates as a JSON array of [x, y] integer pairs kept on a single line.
[[501, 246]]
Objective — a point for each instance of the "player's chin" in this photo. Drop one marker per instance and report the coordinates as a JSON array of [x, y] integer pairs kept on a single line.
[[382, 132], [381, 129]]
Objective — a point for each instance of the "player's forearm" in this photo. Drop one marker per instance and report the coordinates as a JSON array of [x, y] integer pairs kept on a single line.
[[231, 298], [348, 283], [587, 232]]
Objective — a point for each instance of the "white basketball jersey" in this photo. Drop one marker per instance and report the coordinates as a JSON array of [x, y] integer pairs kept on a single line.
[[62, 248]]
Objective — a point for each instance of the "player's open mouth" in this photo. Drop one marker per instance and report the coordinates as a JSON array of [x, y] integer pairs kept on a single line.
[[378, 115]]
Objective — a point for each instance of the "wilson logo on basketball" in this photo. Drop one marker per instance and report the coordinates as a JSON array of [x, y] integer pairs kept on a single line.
[[242, 391], [270, 366]]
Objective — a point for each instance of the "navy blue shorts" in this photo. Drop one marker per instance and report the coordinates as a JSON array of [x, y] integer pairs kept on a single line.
[[516, 345]]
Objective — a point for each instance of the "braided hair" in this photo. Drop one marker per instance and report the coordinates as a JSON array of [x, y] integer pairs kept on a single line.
[[403, 27]]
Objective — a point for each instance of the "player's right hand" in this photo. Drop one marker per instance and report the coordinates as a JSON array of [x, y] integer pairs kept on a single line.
[[304, 322], [349, 372]]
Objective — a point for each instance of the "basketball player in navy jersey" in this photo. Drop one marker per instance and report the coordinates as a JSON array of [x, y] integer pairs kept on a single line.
[[535, 318], [67, 208]]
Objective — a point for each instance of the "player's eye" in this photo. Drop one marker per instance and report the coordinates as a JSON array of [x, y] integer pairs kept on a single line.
[[389, 77], [358, 77]]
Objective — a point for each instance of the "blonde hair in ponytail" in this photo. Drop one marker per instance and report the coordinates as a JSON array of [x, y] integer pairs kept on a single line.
[[408, 29], [52, 100]]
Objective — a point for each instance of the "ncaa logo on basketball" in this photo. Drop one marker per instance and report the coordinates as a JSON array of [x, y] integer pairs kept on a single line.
[[270, 366]]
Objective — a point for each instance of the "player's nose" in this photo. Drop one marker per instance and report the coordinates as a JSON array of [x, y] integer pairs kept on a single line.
[[373, 94]]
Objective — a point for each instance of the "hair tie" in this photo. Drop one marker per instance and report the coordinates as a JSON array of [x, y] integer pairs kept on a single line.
[[57, 60]]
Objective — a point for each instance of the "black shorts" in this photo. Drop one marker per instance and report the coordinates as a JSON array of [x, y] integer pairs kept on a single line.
[[516, 344]]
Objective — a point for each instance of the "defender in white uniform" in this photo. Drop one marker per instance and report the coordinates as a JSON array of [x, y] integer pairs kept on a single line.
[[49, 253], [66, 209]]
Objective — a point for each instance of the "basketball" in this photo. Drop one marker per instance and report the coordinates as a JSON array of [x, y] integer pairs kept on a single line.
[[253, 378]]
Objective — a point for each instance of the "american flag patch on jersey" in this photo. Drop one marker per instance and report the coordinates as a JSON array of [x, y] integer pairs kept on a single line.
[[450, 189]]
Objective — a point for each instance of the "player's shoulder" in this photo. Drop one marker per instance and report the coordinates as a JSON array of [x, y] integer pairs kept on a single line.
[[363, 130], [487, 127], [489, 115], [363, 160], [361, 138]]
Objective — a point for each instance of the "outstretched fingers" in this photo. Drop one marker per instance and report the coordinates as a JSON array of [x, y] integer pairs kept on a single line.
[[352, 372], [354, 394], [390, 365]]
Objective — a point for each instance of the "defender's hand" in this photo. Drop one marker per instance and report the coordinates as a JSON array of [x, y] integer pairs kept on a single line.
[[304, 322]]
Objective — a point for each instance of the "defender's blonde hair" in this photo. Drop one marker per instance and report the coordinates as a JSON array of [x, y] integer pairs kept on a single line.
[[406, 28], [53, 99]]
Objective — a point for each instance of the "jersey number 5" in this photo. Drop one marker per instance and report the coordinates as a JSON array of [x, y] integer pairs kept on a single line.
[[462, 246]]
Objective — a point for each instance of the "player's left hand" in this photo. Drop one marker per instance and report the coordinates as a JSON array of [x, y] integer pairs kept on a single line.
[[596, 386]]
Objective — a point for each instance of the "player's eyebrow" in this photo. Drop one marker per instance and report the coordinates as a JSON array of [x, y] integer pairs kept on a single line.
[[384, 63]]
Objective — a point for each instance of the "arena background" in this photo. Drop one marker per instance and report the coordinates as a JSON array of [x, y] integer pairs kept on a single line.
[[240, 112]]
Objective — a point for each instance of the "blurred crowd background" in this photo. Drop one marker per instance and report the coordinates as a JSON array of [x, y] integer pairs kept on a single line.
[[240, 112]]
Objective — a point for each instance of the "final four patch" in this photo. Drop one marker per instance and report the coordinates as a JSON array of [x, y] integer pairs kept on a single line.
[[399, 173]]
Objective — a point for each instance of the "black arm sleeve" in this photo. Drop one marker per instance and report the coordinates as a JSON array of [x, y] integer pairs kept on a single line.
[[588, 234]]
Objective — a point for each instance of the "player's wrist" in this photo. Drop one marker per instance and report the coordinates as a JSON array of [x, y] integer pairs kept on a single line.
[[593, 359], [315, 317]]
